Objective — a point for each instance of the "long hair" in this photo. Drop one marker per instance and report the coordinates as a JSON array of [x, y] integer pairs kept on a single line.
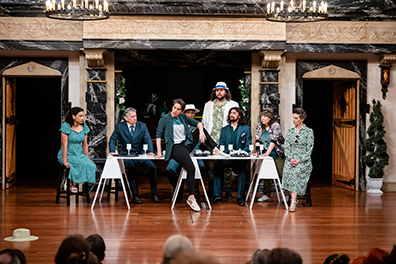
[[73, 112], [228, 95], [242, 119], [273, 120]]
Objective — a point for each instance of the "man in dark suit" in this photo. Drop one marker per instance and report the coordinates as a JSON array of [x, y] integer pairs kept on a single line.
[[237, 133], [135, 133]]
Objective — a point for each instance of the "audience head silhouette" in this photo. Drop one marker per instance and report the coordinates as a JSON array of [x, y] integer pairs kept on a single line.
[[98, 246], [193, 258], [74, 249], [283, 256], [12, 256], [260, 256], [175, 245], [337, 259]]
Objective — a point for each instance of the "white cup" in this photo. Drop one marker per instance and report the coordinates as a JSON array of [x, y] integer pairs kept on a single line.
[[163, 153], [222, 148], [230, 147], [129, 146]]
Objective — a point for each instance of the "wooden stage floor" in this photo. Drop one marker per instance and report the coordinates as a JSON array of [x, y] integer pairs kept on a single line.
[[340, 221]]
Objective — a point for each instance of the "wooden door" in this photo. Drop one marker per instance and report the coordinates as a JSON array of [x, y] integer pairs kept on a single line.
[[10, 132], [344, 135]]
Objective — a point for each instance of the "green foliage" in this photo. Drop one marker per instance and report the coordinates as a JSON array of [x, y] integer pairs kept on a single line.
[[120, 97], [245, 95], [376, 156]]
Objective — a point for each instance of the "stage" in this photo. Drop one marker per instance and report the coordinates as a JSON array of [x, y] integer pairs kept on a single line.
[[340, 221]]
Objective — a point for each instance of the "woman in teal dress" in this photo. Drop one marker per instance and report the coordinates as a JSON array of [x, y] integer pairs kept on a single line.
[[269, 133], [74, 151], [298, 149]]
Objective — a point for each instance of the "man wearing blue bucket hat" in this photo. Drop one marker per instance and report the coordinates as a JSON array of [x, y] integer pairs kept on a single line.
[[214, 118]]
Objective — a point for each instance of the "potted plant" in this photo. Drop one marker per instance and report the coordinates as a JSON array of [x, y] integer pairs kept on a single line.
[[375, 146]]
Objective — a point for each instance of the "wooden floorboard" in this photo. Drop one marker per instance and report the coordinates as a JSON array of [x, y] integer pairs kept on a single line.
[[340, 221]]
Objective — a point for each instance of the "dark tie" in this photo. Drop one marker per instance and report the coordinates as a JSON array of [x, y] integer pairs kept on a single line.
[[132, 128]]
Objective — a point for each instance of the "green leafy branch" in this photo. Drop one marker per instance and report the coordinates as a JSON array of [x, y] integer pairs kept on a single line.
[[120, 97], [245, 95]]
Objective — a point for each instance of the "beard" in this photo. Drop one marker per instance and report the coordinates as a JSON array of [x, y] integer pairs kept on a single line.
[[233, 119], [220, 98]]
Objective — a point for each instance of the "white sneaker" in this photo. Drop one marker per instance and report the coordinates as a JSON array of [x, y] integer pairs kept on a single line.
[[193, 204], [263, 198]]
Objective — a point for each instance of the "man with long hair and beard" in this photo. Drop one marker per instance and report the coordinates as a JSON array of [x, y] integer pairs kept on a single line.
[[238, 134], [214, 118]]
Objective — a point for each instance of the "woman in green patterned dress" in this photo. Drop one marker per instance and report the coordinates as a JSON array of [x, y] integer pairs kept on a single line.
[[298, 149], [74, 151]]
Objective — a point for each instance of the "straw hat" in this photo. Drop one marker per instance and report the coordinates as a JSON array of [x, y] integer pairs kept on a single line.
[[21, 234], [191, 107]]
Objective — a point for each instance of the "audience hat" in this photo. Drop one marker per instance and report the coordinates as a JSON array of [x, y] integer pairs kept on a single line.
[[21, 234], [191, 107], [375, 256], [221, 85]]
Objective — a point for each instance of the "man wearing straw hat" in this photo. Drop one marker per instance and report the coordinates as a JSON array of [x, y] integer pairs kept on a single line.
[[173, 166], [214, 118]]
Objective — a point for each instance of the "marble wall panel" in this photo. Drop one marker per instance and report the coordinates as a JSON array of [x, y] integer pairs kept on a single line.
[[340, 48], [58, 64], [360, 67], [40, 45], [96, 117], [269, 95]]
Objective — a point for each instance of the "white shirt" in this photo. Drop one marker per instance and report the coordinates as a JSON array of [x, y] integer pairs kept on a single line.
[[207, 116]]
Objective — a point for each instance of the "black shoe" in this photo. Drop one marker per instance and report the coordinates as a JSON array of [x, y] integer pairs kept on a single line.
[[136, 200], [228, 195], [154, 198], [217, 200], [241, 201]]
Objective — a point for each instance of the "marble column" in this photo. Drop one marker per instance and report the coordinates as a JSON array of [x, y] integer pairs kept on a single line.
[[269, 81], [96, 98]]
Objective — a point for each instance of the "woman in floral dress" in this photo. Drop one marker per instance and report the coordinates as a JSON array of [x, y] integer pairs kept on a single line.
[[74, 151], [298, 149]]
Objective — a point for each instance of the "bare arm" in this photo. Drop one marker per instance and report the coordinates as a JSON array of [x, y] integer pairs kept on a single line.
[[64, 139], [159, 150], [202, 137], [270, 148]]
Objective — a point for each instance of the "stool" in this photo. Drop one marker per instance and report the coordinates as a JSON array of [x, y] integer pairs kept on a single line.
[[266, 170], [63, 171], [114, 169]]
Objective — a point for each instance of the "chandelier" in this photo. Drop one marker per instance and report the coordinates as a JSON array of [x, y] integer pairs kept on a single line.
[[87, 10], [296, 11]]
